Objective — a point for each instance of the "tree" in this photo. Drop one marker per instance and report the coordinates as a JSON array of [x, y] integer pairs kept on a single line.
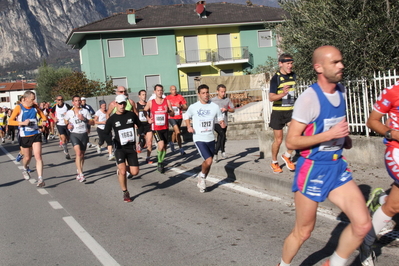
[[366, 32], [78, 84], [47, 79]]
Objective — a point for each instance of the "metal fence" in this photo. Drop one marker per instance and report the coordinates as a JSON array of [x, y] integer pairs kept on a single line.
[[360, 97]]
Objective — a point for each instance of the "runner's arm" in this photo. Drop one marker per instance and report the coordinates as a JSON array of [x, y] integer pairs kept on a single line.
[[296, 141], [374, 123]]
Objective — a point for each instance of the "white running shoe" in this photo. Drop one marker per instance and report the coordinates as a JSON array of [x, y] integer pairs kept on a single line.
[[40, 182], [26, 174], [98, 149], [201, 184], [366, 255], [215, 158], [81, 178], [224, 155], [111, 157]]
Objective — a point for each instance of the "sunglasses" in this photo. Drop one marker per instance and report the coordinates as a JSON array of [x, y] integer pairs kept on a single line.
[[60, 99], [122, 103], [121, 91]]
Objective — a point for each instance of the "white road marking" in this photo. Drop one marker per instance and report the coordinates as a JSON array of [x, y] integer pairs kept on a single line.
[[56, 205], [7, 153], [101, 254], [212, 179], [42, 191]]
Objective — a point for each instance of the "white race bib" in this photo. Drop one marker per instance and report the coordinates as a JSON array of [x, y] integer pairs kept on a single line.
[[160, 120], [206, 125], [126, 135], [289, 99], [142, 117], [32, 126], [334, 144], [176, 110]]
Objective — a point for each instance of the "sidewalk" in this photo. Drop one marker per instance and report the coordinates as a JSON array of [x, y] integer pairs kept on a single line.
[[244, 165]]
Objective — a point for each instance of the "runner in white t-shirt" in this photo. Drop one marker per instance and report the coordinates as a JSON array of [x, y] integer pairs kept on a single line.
[[76, 120]]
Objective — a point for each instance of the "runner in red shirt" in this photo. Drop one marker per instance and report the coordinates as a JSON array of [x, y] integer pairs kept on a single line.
[[160, 110], [179, 104]]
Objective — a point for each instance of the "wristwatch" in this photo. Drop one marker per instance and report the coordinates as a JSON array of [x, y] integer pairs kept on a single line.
[[388, 135]]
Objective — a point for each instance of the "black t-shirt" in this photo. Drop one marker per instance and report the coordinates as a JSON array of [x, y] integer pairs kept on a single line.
[[123, 125]]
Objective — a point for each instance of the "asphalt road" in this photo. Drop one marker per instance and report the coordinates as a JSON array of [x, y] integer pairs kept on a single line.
[[168, 223]]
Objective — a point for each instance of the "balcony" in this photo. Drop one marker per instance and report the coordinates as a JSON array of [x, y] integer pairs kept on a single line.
[[207, 57]]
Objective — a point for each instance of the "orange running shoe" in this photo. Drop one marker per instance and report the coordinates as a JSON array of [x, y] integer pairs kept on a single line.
[[276, 168], [290, 165], [327, 263]]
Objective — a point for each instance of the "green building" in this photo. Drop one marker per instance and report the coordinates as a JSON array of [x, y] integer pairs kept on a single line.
[[172, 45]]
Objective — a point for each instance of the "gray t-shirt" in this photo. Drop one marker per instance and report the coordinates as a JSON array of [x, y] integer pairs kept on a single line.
[[223, 103]]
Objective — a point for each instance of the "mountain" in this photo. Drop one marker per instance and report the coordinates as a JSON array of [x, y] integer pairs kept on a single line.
[[34, 30]]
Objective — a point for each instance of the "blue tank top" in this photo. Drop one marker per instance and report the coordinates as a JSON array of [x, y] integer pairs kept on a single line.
[[33, 127], [329, 116]]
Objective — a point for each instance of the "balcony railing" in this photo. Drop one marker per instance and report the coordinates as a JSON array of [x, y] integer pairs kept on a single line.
[[215, 56]]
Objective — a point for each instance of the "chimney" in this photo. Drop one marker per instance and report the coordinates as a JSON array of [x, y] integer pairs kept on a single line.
[[200, 9], [131, 16]]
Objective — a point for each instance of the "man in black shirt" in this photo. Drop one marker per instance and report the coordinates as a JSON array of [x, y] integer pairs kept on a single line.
[[123, 123]]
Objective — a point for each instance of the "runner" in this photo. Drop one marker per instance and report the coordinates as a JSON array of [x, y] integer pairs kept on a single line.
[[10, 129], [282, 94], [100, 117], [77, 120], [123, 122], [58, 114], [92, 112], [130, 106], [3, 123], [226, 106], [179, 104], [203, 114], [160, 110], [384, 207], [321, 134], [24, 116], [144, 131]]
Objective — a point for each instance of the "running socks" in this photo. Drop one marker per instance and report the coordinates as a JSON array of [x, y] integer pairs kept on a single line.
[[380, 220], [161, 156], [282, 263], [336, 260]]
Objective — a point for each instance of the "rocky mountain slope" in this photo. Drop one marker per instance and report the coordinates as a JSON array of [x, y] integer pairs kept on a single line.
[[33, 30]]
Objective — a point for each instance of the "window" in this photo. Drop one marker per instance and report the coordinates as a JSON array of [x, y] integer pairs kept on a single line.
[[227, 72], [120, 82], [265, 38], [151, 81], [191, 80], [115, 48], [5, 99], [149, 46]]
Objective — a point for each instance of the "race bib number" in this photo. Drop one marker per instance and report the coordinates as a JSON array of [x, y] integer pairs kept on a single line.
[[289, 99], [206, 126], [160, 120], [176, 110], [80, 125], [334, 144], [1, 120], [32, 126], [126, 135], [142, 117]]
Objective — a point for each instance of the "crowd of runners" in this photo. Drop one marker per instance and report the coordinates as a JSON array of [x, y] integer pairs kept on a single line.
[[317, 130]]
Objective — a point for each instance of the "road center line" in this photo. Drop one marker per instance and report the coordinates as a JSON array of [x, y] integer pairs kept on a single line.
[[101, 254]]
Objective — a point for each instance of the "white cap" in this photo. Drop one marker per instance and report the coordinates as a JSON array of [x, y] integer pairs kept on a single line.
[[83, 99], [120, 99]]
